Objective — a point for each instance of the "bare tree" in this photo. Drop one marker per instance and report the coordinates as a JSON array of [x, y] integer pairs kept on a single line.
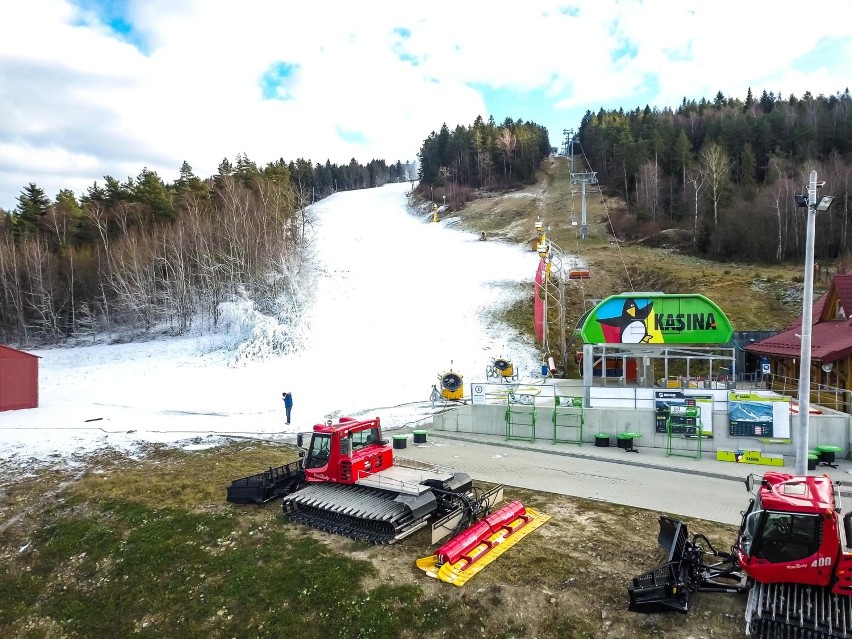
[[41, 290], [507, 142], [12, 303], [97, 213], [716, 171], [696, 179], [133, 278], [649, 184]]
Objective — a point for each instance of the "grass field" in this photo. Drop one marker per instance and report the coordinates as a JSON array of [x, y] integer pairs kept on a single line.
[[131, 548]]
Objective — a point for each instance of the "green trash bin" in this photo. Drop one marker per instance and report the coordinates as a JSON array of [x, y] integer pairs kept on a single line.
[[602, 440], [625, 441], [400, 441], [812, 461]]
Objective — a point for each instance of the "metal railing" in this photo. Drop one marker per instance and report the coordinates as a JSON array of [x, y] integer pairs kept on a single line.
[[838, 399]]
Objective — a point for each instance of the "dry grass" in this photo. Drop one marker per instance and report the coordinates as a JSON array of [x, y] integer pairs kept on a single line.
[[158, 530], [753, 296]]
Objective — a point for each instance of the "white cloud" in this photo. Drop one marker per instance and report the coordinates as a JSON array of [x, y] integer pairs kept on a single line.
[[388, 76]]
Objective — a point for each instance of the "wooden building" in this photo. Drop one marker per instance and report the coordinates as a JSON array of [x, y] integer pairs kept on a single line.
[[831, 348], [18, 379]]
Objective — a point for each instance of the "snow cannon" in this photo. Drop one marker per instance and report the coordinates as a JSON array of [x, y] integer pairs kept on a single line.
[[502, 369], [504, 366], [452, 386], [469, 552]]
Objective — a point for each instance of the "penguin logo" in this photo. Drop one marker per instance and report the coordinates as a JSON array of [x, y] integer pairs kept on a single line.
[[631, 326]]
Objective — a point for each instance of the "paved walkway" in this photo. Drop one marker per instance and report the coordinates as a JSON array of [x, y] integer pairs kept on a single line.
[[703, 488]]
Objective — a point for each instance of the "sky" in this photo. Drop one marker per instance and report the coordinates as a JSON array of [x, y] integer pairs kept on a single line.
[[99, 87], [397, 302]]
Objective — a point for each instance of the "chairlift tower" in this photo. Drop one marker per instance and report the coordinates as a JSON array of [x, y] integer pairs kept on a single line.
[[589, 177], [569, 146]]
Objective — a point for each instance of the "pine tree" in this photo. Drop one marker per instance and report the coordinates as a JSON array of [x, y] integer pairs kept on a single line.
[[31, 209], [150, 191], [749, 101], [225, 168]]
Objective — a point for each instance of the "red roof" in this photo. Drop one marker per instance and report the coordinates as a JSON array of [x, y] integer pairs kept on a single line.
[[8, 351], [830, 339], [843, 285]]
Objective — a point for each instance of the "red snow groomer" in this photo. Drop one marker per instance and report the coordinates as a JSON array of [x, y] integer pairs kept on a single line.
[[347, 482], [792, 556]]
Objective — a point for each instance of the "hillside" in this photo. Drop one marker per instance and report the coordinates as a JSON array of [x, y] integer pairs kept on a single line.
[[753, 296], [116, 543]]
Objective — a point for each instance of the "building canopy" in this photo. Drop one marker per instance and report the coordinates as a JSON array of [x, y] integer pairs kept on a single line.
[[656, 318]]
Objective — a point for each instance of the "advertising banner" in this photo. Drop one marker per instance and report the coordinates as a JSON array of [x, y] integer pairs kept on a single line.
[[656, 318], [757, 415]]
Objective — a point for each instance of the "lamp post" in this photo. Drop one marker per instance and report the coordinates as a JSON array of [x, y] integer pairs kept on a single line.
[[807, 320]]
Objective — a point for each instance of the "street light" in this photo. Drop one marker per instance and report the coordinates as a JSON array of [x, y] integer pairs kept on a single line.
[[807, 319]]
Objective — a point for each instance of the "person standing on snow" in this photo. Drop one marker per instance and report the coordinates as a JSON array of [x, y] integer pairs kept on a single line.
[[288, 403]]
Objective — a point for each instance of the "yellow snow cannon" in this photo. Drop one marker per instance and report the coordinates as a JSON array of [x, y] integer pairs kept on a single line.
[[452, 386], [504, 367]]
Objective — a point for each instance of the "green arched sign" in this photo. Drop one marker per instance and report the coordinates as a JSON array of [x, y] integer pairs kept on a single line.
[[656, 318]]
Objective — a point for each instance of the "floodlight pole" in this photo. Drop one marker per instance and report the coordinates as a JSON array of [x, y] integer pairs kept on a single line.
[[807, 321]]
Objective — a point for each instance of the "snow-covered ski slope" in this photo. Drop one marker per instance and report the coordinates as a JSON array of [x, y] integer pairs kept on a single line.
[[395, 300]]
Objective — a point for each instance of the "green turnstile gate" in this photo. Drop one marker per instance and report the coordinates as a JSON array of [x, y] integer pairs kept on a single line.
[[520, 417], [568, 420], [684, 423]]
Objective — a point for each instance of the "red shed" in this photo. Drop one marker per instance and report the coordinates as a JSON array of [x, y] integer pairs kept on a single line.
[[18, 379]]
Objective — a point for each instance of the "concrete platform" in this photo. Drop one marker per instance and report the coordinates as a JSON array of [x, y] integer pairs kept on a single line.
[[703, 488]]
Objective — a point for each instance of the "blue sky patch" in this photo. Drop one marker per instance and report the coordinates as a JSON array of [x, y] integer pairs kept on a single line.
[[353, 137], [625, 50], [275, 81], [413, 60], [532, 105], [398, 47], [822, 56], [115, 15]]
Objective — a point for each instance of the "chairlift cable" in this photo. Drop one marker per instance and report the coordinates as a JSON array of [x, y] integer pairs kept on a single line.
[[609, 219]]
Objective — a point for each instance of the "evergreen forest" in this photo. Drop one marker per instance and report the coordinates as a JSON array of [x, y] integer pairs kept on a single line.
[[716, 178], [725, 172], [144, 253], [480, 156]]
